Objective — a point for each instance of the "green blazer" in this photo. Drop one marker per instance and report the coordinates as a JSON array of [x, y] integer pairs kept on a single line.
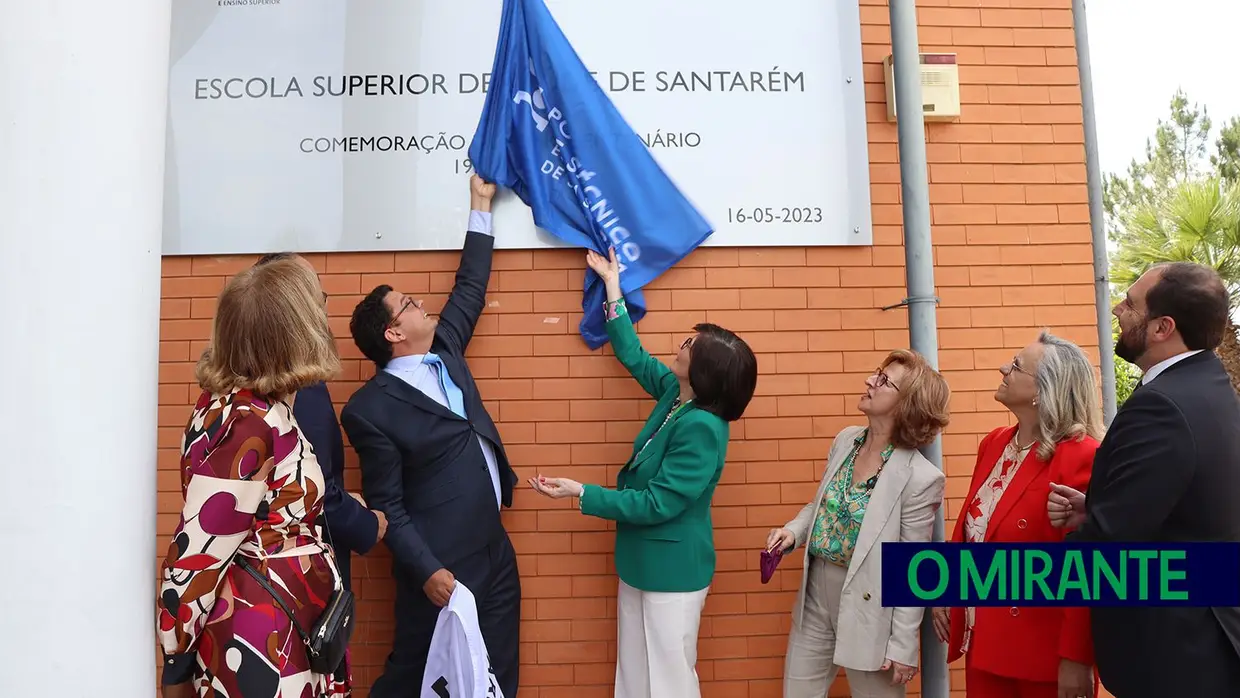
[[661, 504]]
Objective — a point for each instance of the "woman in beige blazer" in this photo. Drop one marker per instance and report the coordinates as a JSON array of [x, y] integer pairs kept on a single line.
[[877, 488]]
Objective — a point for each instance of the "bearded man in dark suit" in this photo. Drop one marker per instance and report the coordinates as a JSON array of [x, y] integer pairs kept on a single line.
[[1168, 471]]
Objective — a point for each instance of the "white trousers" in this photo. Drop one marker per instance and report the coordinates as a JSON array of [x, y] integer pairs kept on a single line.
[[656, 655]]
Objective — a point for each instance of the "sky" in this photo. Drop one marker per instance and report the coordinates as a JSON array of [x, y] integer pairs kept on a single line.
[[1141, 51]]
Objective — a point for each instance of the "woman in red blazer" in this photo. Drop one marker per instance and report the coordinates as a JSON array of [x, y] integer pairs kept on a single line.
[[1028, 652]]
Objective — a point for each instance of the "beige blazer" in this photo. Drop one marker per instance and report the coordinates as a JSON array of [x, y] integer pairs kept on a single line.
[[902, 508]]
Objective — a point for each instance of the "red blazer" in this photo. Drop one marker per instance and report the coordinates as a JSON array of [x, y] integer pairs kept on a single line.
[[1025, 643]]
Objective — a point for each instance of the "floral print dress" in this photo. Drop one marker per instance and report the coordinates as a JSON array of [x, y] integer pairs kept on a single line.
[[252, 487], [977, 516]]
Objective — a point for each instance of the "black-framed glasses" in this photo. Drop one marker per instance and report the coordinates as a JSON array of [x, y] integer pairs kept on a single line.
[[687, 343], [884, 380]]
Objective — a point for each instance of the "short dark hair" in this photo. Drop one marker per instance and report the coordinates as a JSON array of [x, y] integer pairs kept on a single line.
[[369, 323], [723, 372], [1194, 296], [274, 257]]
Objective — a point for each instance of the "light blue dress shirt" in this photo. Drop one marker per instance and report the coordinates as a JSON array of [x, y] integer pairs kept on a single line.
[[425, 378]]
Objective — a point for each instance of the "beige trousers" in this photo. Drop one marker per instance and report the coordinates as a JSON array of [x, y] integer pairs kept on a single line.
[[656, 656], [809, 667]]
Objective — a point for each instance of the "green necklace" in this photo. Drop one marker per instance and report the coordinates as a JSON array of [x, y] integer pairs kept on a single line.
[[846, 493]]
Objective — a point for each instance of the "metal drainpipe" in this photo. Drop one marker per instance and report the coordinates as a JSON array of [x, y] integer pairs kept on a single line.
[[1097, 223], [919, 270]]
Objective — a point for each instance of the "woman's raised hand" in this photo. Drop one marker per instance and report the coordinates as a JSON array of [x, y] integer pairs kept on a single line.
[[608, 269]]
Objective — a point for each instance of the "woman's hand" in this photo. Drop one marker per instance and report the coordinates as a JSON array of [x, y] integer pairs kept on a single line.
[[942, 623], [556, 487], [1076, 680], [781, 539], [900, 673], [608, 269]]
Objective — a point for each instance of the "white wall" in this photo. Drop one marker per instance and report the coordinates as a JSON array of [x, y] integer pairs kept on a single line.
[[82, 111]]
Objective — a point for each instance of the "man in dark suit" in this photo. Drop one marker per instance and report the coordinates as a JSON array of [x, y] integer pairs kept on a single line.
[[432, 460], [1168, 471], [348, 526]]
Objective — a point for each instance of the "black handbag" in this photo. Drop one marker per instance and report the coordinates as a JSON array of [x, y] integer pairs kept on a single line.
[[329, 638]]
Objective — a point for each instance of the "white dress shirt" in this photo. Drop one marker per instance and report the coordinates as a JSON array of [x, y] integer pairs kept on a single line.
[[425, 378], [1164, 365]]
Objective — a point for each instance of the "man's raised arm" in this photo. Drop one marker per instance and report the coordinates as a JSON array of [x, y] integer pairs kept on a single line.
[[468, 299]]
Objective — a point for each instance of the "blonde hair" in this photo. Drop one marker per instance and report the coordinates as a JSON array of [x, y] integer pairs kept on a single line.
[[270, 333], [1068, 401], [922, 411]]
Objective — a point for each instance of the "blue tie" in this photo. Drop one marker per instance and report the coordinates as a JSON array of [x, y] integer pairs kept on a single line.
[[456, 399]]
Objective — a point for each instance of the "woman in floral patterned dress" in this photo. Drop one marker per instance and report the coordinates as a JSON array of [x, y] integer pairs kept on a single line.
[[252, 487]]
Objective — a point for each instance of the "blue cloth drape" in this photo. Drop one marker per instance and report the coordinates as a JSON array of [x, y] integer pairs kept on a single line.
[[551, 134]]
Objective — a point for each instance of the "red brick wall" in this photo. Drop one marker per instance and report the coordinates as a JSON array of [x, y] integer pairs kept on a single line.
[[1012, 254]]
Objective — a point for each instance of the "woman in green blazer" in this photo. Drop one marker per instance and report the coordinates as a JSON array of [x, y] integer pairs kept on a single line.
[[665, 552]]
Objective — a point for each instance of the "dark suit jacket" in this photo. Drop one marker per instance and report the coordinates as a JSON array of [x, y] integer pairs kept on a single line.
[[1168, 471], [421, 464], [350, 527]]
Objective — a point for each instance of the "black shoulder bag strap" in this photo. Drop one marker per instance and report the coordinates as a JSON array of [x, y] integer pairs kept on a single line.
[[266, 584], [333, 629]]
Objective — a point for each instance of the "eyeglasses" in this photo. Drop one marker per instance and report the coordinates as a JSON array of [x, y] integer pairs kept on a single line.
[[403, 307], [687, 343], [1015, 366], [883, 380]]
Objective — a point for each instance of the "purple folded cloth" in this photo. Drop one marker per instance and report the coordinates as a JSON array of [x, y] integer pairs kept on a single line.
[[770, 560]]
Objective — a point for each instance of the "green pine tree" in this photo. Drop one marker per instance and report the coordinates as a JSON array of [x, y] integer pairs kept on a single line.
[[1181, 203]]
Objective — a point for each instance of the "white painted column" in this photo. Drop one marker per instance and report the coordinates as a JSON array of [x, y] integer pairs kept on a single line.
[[83, 87]]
